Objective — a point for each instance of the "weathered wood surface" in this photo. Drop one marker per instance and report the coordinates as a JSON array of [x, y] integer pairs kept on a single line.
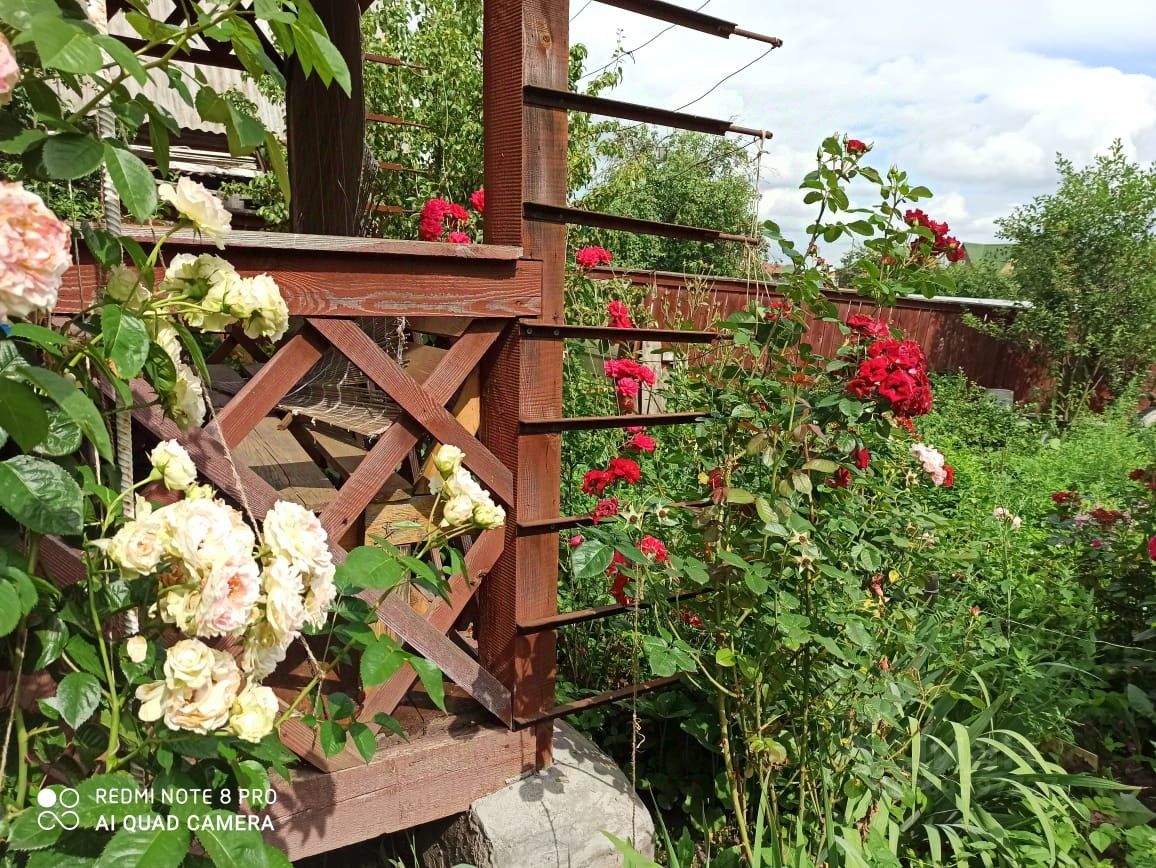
[[333, 282], [428, 778]]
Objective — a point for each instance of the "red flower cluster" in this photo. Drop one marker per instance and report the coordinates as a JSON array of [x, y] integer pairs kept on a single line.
[[619, 315], [627, 374], [478, 200], [1152, 548], [592, 257], [949, 476], [605, 508], [1106, 517], [857, 147], [1063, 498], [865, 325], [641, 442], [942, 243], [840, 479], [653, 548], [777, 308], [438, 215], [896, 371], [619, 469]]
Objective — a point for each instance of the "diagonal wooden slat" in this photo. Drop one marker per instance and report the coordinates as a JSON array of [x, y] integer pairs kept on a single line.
[[400, 438], [430, 413], [480, 558], [265, 389]]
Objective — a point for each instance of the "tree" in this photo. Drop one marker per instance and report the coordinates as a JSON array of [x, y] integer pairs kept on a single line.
[[1085, 258], [683, 177]]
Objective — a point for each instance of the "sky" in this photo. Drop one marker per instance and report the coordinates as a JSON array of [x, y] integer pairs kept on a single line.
[[973, 100]]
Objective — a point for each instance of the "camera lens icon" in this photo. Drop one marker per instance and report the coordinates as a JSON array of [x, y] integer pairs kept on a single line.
[[56, 809]]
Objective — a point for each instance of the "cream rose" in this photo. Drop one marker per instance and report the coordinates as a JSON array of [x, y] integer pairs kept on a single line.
[[448, 459], [203, 533], [489, 515], [203, 209], [264, 648], [9, 70], [137, 548], [179, 606], [295, 533], [254, 713], [186, 404], [284, 590], [228, 596], [152, 701], [189, 665], [207, 708], [263, 309], [319, 599], [137, 649], [457, 511], [172, 462], [34, 252], [124, 286]]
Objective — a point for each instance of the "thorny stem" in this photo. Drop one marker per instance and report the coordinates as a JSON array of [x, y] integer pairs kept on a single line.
[[733, 780]]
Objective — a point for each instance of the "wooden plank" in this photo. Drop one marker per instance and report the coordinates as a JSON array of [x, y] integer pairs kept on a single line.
[[600, 699], [412, 783], [467, 409], [442, 326], [274, 454], [427, 411], [337, 284], [268, 386], [625, 420]]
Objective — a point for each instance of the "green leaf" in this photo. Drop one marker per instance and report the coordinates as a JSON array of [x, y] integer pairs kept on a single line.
[[123, 55], [332, 737], [739, 495], [725, 657], [370, 567], [22, 415], [71, 155], [63, 436], [388, 721], [126, 340], [963, 763], [822, 465], [39, 335], [159, 848], [25, 588], [228, 847], [858, 634], [278, 164], [9, 608], [133, 180], [91, 806], [75, 403], [26, 832], [41, 496], [65, 45], [252, 776], [1140, 702], [381, 661], [77, 697], [364, 740], [591, 558], [431, 679]]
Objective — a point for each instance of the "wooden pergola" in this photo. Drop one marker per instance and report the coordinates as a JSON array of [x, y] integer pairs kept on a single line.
[[497, 308]]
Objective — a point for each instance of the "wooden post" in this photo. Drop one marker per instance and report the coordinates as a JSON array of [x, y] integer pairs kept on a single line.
[[326, 133], [525, 42]]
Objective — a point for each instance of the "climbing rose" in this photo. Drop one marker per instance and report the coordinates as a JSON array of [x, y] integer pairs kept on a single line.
[[202, 208], [941, 244], [855, 146], [9, 71], [895, 371], [625, 469], [932, 461], [595, 481], [619, 315], [576, 540], [592, 257], [478, 200], [173, 464], [654, 549], [459, 238], [641, 443], [617, 368], [1062, 498], [33, 252], [456, 214], [605, 508], [861, 457], [626, 387], [865, 325], [948, 476], [432, 223], [841, 479], [1137, 474]]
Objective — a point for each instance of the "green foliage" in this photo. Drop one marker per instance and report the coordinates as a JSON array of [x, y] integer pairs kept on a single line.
[[1085, 257], [987, 278]]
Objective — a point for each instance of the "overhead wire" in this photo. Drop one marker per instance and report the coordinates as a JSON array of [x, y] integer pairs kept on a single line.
[[631, 52]]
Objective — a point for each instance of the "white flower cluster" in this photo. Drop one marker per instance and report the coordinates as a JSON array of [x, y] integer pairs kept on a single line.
[[212, 581], [466, 502], [1006, 515], [204, 691], [223, 297], [932, 461]]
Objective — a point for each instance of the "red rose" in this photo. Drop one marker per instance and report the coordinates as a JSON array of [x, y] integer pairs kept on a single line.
[[654, 549], [1064, 497], [459, 238], [625, 469], [885, 664], [478, 200], [856, 147], [860, 387], [865, 325], [619, 315], [1137, 474], [592, 257], [1096, 543], [432, 223], [627, 387], [641, 443], [840, 479], [1152, 548], [605, 509], [875, 369], [576, 540], [898, 387], [457, 214], [861, 457], [949, 476], [690, 618], [595, 481]]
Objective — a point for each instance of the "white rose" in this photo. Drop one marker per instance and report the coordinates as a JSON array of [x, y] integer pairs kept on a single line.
[[293, 532], [218, 307], [205, 709], [124, 286], [203, 533], [169, 341], [319, 599], [203, 209], [284, 591], [9, 70], [137, 548], [253, 713], [174, 465], [137, 649], [457, 511], [463, 483], [152, 701], [264, 648], [179, 606], [189, 664], [448, 459], [186, 405], [228, 595], [265, 313], [489, 515]]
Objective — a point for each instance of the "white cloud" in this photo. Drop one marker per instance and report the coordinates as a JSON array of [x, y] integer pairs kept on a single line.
[[974, 105]]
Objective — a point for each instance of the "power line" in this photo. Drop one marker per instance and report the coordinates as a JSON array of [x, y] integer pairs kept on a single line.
[[631, 52]]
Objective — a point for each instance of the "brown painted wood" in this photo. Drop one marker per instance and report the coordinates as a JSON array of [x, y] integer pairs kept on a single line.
[[625, 420], [410, 783], [427, 411], [325, 128], [268, 386], [401, 437], [600, 699]]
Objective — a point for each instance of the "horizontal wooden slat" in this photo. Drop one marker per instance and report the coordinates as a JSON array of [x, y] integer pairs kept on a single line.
[[375, 118], [541, 329], [599, 700], [595, 613], [548, 97], [386, 60], [619, 223], [592, 423], [566, 522], [691, 19]]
